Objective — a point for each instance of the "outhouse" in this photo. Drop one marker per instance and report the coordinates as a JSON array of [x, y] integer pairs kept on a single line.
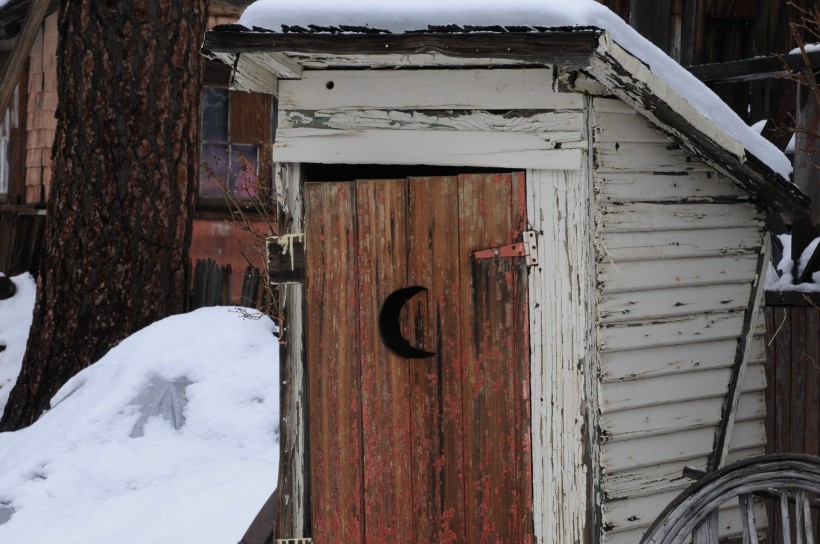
[[533, 253]]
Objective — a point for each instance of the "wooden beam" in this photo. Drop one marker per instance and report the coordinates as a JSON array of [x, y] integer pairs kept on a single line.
[[723, 437], [22, 47], [442, 148], [499, 89], [807, 166], [261, 528], [630, 81], [550, 47], [752, 69], [293, 508], [653, 20]]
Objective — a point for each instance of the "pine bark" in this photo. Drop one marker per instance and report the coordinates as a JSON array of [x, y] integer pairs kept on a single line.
[[124, 177]]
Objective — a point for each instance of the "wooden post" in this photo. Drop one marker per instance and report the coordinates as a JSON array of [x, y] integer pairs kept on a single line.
[[14, 67], [723, 437], [652, 18], [807, 167], [293, 507]]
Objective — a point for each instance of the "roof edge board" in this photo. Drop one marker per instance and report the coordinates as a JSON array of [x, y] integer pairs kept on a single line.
[[631, 80], [563, 48], [594, 51]]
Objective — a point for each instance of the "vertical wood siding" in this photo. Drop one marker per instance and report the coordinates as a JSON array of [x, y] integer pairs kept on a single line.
[[793, 376], [561, 316], [677, 247], [335, 390]]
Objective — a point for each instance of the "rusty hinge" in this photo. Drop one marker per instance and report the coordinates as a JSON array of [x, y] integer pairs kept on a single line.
[[528, 249]]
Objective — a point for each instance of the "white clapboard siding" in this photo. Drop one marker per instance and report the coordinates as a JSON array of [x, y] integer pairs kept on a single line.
[[662, 157], [444, 148], [660, 361], [641, 275], [641, 216], [443, 89], [676, 244], [563, 126], [626, 127], [670, 331], [669, 417], [658, 303], [674, 388], [641, 482], [655, 450], [677, 252], [654, 187], [630, 529]]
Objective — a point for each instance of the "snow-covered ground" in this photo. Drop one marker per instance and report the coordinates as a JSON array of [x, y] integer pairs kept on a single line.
[[15, 321], [172, 437]]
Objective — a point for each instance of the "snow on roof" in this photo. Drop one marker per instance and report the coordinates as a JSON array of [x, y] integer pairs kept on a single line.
[[413, 15]]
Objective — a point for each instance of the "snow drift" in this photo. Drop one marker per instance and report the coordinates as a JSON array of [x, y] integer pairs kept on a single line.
[[171, 437]]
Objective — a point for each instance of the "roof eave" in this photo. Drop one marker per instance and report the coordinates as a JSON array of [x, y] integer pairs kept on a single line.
[[260, 58], [633, 82], [570, 49]]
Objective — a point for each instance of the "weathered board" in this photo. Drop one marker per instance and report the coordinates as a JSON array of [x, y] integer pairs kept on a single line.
[[443, 89], [443, 148], [335, 384], [444, 451], [677, 254], [793, 375]]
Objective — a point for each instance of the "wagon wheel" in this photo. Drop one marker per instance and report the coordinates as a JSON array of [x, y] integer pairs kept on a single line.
[[785, 478]]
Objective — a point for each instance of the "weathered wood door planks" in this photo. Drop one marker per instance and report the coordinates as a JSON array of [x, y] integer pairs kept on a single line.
[[333, 373], [443, 442]]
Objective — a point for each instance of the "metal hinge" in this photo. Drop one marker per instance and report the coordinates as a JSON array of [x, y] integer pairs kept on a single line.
[[528, 248]]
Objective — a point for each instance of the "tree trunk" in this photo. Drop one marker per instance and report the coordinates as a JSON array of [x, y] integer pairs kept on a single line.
[[125, 171]]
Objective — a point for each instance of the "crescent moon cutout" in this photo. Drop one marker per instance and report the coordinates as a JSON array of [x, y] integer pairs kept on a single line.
[[390, 324]]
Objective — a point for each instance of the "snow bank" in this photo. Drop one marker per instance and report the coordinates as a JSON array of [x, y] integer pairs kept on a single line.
[[171, 437], [404, 15], [15, 322], [783, 282]]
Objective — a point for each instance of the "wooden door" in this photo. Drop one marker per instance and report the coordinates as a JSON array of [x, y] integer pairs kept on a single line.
[[432, 450]]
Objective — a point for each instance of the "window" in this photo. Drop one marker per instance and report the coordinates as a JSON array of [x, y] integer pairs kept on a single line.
[[8, 123], [236, 131]]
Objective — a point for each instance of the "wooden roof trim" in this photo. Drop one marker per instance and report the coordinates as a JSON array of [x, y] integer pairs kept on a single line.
[[633, 82], [591, 50], [753, 69], [548, 47]]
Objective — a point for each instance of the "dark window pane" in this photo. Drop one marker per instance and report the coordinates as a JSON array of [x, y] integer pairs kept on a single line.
[[244, 170], [214, 170], [214, 114]]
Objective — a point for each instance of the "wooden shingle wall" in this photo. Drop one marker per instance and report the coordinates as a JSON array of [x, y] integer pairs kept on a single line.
[[42, 105], [677, 250]]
